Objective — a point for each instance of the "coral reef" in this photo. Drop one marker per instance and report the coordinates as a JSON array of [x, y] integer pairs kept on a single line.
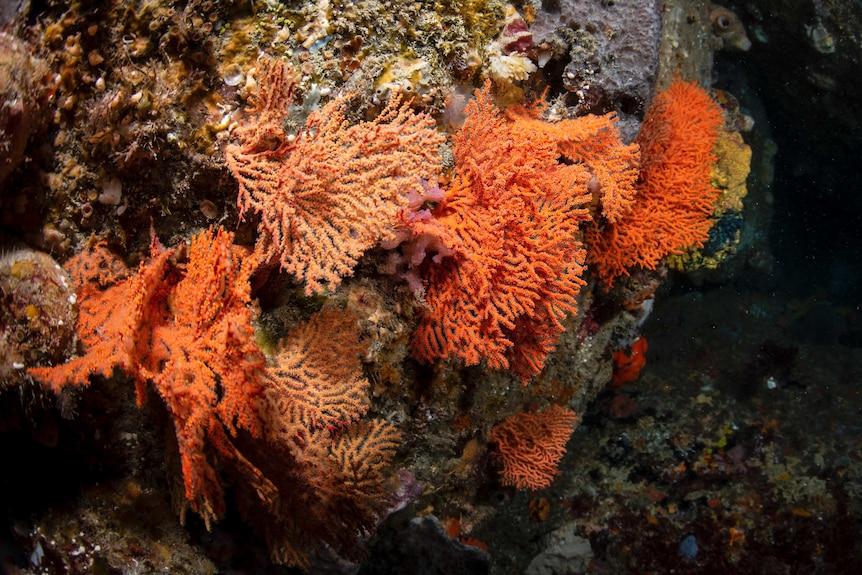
[[411, 242]]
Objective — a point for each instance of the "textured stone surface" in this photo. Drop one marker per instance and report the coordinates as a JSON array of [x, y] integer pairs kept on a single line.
[[612, 50], [422, 547]]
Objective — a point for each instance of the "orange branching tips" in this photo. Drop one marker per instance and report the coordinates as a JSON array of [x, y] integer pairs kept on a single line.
[[594, 142], [313, 467], [319, 475], [204, 362], [316, 377], [530, 446], [514, 211], [675, 197], [336, 190], [187, 330], [360, 454], [109, 313]]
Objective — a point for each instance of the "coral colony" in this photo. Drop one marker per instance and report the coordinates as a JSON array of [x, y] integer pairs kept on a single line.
[[382, 264], [510, 220]]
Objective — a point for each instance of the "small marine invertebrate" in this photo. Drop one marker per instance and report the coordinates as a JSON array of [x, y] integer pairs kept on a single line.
[[401, 76], [38, 309], [628, 366], [334, 191], [507, 59], [531, 445], [728, 28]]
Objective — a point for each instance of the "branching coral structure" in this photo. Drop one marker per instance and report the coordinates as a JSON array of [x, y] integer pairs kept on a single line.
[[318, 477], [187, 330], [531, 445], [594, 142], [310, 469], [675, 197], [335, 190], [515, 210]]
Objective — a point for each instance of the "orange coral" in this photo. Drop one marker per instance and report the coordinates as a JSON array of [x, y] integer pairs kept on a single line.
[[274, 97], [110, 315], [530, 446], [203, 360], [594, 142], [319, 476], [319, 490], [189, 332], [312, 469], [514, 211], [336, 190], [316, 378], [675, 197]]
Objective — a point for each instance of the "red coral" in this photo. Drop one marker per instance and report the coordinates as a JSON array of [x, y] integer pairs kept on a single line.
[[188, 332], [514, 211], [530, 446], [675, 197], [336, 190]]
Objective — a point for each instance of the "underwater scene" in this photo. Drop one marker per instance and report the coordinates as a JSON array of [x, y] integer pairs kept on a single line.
[[430, 287]]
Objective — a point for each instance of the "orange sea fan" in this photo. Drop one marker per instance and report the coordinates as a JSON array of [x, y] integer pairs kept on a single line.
[[112, 312], [594, 142], [675, 197], [185, 329], [514, 211], [319, 475], [316, 378], [337, 189], [531, 445]]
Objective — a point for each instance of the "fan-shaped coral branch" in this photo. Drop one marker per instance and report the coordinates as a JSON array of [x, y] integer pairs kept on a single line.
[[188, 332], [594, 142], [675, 197], [514, 211], [335, 191], [530, 446], [316, 377]]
